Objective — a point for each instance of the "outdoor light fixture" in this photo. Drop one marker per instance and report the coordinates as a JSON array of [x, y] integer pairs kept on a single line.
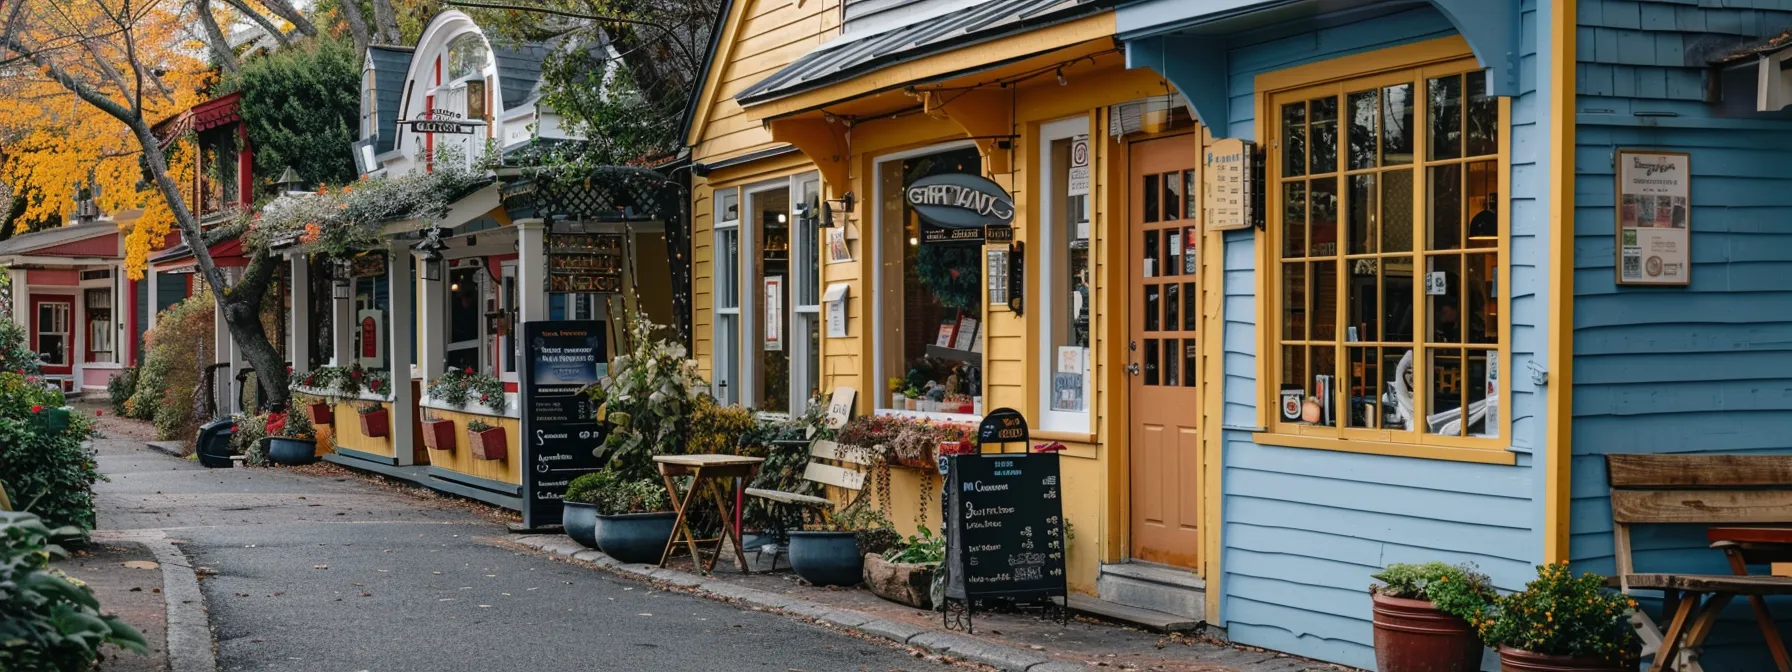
[[431, 247], [1061, 80], [845, 204]]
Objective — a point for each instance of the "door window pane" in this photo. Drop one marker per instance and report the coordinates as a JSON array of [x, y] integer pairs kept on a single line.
[[1294, 219], [1444, 102], [1483, 117], [1323, 152], [1364, 107], [1294, 139], [1396, 125], [1363, 212], [771, 216], [1151, 200]]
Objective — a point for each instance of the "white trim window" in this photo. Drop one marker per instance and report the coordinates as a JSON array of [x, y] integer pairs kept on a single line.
[[805, 319], [1064, 292], [928, 297], [727, 372], [53, 335], [508, 346], [464, 346]]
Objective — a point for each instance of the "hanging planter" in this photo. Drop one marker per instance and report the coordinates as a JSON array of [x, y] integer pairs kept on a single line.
[[321, 413], [375, 421], [438, 434], [486, 442]]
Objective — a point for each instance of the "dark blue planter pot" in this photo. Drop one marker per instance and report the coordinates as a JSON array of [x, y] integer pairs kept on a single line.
[[580, 521], [213, 444], [291, 452], [827, 558], [635, 537]]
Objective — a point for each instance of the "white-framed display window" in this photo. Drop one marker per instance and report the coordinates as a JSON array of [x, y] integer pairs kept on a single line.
[[464, 347], [508, 348], [1063, 294], [941, 299], [53, 334], [726, 370], [805, 288], [99, 315]]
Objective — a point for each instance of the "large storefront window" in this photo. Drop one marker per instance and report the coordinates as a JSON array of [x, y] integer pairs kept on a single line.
[[767, 331], [727, 289], [1064, 220], [930, 296], [1389, 240], [373, 300], [464, 294]]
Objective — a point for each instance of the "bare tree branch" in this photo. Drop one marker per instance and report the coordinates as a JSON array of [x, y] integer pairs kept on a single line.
[[664, 30], [385, 29], [357, 25], [215, 37], [266, 25], [284, 10]]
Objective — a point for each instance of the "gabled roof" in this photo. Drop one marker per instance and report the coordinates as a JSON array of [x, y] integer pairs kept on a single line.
[[39, 240], [848, 57], [217, 112], [519, 68], [389, 67]]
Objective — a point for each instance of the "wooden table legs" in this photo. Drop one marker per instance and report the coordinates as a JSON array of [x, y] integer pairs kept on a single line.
[[1758, 604], [713, 487]]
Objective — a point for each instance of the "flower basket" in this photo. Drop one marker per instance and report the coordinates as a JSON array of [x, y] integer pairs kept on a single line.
[[438, 434], [925, 460], [376, 423], [321, 413], [488, 444]]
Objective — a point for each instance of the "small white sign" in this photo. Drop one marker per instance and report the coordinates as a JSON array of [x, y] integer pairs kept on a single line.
[[774, 313], [1079, 166], [835, 300], [1226, 179], [1436, 284]]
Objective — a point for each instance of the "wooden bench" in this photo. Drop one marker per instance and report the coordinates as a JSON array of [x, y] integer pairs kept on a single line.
[[1700, 490], [819, 471]]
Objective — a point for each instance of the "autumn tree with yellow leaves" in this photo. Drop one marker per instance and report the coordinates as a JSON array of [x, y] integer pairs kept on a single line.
[[94, 76]]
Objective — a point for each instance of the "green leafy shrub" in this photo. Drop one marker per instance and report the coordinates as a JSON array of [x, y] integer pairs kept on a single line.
[[459, 387], [722, 430], [615, 495], [786, 452], [648, 398], [47, 472], [919, 549], [120, 389], [15, 350], [1564, 615], [326, 75], [179, 348], [1457, 590], [48, 621]]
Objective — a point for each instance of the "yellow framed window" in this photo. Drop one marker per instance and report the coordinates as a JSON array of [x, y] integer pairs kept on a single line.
[[1387, 249]]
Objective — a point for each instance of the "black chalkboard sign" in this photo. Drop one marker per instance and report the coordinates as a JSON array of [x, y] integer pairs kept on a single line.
[[1005, 531], [1003, 425], [560, 424]]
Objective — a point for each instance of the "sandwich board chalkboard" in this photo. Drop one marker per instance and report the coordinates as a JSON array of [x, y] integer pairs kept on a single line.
[[560, 426], [1005, 535]]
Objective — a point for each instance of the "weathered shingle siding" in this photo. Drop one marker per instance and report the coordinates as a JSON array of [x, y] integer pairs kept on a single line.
[[389, 67], [1704, 368], [1305, 528]]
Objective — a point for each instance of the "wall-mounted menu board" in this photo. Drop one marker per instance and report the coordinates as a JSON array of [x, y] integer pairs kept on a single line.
[[1005, 535], [585, 262]]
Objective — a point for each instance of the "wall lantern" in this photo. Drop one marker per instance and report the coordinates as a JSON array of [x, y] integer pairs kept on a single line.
[[431, 248]]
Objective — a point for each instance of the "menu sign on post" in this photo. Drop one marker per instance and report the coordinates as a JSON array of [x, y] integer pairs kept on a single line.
[[1227, 175], [560, 426]]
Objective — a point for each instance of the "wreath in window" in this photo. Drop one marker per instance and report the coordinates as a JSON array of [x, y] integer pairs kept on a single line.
[[949, 271]]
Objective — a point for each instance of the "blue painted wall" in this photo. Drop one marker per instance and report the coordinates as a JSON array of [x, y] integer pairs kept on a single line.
[[1705, 368], [1305, 528]]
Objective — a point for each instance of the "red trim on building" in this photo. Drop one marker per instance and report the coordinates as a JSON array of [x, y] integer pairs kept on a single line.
[[217, 112], [57, 277], [105, 245], [132, 289]]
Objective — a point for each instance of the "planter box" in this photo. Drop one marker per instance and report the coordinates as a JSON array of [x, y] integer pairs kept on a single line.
[[1416, 636], [489, 444], [376, 423], [52, 419], [321, 413], [900, 582], [438, 435], [1519, 660]]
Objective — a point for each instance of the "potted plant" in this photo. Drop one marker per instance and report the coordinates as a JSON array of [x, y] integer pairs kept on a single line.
[[375, 422], [1563, 623], [832, 553], [291, 441], [486, 441], [905, 574], [634, 520], [438, 433], [579, 507], [1423, 617]]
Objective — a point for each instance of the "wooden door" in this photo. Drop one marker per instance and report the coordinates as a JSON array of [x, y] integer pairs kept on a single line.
[[1163, 350], [52, 335]]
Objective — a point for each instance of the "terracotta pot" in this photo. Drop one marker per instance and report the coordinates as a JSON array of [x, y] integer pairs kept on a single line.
[[321, 414], [1414, 636], [438, 435], [1520, 660], [375, 423], [489, 444]]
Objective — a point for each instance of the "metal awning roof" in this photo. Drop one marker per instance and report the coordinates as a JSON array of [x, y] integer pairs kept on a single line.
[[848, 57]]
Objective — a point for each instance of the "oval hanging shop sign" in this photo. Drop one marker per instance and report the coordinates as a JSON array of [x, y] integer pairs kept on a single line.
[[961, 201]]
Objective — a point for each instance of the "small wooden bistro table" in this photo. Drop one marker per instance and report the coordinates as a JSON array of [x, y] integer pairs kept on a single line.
[[711, 475], [1742, 545]]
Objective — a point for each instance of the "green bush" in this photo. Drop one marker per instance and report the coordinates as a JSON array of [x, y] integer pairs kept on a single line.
[[15, 350], [178, 350], [47, 472], [1560, 614], [48, 621], [615, 495], [120, 389], [1458, 590]]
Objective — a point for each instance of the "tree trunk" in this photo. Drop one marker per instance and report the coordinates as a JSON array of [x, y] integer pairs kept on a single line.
[[385, 23], [285, 10], [357, 25], [266, 25], [215, 37]]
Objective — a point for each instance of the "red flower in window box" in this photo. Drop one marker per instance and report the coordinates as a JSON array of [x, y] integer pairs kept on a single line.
[[37, 408]]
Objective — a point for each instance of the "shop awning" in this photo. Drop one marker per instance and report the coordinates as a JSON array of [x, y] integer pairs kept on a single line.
[[470, 207], [851, 56], [1766, 65]]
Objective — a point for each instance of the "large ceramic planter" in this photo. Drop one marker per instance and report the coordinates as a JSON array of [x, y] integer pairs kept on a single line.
[[827, 558], [375, 423], [438, 435], [321, 413], [901, 583], [291, 452], [1519, 660], [580, 521], [1414, 636], [635, 537], [488, 445]]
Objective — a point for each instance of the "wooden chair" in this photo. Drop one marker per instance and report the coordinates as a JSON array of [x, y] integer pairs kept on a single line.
[[850, 478], [1707, 490]]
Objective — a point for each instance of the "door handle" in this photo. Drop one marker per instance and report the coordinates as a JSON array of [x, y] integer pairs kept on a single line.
[[1133, 368]]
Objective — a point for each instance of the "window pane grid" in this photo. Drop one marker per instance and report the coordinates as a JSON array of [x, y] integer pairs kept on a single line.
[[1388, 135]]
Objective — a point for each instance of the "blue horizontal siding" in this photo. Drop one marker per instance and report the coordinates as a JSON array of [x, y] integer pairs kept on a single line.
[[1699, 369]]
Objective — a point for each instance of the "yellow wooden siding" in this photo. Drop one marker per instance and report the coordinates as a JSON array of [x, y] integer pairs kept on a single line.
[[347, 430], [460, 460], [763, 37]]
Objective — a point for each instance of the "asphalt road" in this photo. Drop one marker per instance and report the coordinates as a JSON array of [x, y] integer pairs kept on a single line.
[[305, 572]]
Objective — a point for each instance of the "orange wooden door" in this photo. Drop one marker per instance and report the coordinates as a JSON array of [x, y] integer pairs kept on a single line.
[[1163, 350]]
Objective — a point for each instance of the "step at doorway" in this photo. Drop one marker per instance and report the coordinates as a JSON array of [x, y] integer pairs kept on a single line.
[[1171, 590]]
